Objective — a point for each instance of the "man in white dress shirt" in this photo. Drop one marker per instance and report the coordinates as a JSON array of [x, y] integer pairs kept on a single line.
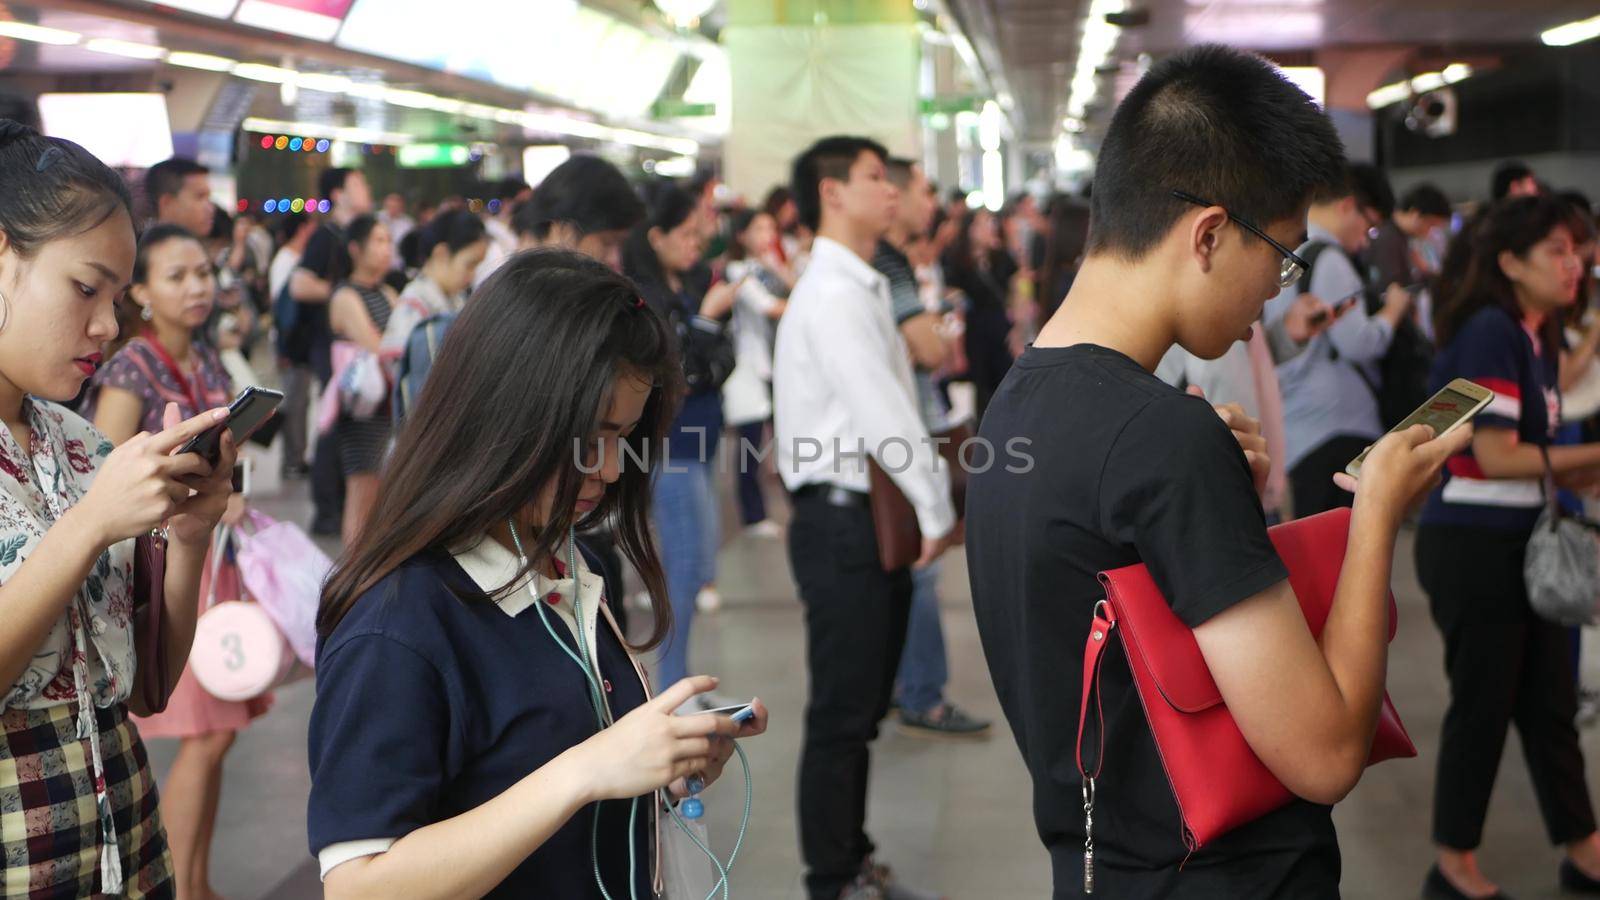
[[843, 390]]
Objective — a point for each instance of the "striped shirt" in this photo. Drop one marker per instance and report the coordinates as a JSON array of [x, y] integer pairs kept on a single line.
[[1494, 350]]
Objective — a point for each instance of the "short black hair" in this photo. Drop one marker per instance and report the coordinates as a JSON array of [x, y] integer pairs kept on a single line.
[[455, 230], [1372, 189], [899, 171], [1218, 123], [165, 178], [332, 180], [1578, 200], [1428, 200], [508, 188], [1505, 175], [286, 226], [585, 192], [830, 157]]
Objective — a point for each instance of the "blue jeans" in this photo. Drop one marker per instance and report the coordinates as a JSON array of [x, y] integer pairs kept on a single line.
[[923, 670], [687, 528]]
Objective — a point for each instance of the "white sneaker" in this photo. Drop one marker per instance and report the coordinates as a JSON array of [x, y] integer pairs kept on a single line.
[[709, 600], [766, 528]]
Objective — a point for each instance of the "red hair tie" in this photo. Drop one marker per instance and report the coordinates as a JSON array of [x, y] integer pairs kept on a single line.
[[638, 303]]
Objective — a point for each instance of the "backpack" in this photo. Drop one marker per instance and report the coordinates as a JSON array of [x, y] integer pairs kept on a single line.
[[1404, 369], [411, 369]]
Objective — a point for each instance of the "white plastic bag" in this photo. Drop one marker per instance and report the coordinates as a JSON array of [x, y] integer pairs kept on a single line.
[[283, 570], [686, 870]]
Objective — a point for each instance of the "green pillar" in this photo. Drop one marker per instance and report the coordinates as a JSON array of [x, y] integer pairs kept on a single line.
[[804, 69]]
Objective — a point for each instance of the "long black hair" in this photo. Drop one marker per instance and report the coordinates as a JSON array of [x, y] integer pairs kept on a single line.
[[523, 378], [51, 188], [670, 207], [1472, 274]]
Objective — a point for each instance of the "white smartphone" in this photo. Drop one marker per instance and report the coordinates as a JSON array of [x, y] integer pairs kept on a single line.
[[1456, 402], [739, 713]]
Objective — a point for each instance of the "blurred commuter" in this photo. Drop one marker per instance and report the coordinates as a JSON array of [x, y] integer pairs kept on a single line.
[[584, 204], [1069, 234], [451, 248], [358, 312], [979, 265], [924, 669], [482, 727], [1424, 216], [1125, 469], [179, 193], [307, 343], [507, 195], [753, 265], [292, 232], [781, 207], [394, 217], [842, 386], [1512, 179], [81, 810], [164, 364], [1505, 664], [660, 254], [1330, 400]]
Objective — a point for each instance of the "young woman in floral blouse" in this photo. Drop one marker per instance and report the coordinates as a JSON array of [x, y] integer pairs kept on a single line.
[[77, 807], [166, 362]]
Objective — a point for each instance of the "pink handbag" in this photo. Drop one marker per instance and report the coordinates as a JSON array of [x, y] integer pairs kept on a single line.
[[238, 652]]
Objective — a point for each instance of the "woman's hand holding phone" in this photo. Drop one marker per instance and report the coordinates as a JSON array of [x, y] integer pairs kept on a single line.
[[652, 747], [722, 751], [142, 483]]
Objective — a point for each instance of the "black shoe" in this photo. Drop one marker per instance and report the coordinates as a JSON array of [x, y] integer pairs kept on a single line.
[[1573, 881], [1438, 887], [943, 721]]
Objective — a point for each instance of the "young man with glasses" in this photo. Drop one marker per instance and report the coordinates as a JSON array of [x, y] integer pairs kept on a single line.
[[1126, 469], [1330, 391]]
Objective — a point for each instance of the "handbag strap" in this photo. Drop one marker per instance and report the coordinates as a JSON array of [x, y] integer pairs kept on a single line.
[[1105, 621], [1552, 502]]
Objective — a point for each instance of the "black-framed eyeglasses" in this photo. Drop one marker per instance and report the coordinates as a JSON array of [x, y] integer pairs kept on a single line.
[[1293, 266]]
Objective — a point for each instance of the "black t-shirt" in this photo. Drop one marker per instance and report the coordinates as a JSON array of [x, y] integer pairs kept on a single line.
[[327, 256], [1125, 469]]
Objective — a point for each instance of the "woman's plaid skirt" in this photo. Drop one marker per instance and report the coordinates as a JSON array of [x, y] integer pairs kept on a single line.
[[49, 831]]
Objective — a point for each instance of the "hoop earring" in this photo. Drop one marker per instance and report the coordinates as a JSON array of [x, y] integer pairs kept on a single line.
[[5, 305]]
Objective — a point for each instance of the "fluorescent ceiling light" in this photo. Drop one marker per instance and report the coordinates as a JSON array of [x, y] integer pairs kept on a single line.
[[269, 74], [1572, 32], [1427, 81], [320, 81], [203, 61], [128, 49], [1388, 94], [1419, 84], [22, 31]]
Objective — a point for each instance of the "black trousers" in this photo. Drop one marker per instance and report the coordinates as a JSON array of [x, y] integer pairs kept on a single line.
[[1311, 479], [855, 628], [1506, 665]]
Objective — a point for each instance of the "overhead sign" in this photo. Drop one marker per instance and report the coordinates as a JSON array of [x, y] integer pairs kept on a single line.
[[433, 156]]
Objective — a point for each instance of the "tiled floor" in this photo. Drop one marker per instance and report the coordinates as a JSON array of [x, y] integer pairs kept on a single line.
[[954, 816]]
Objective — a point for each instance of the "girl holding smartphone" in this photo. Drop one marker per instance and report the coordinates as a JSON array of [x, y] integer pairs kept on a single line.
[[467, 654], [71, 506]]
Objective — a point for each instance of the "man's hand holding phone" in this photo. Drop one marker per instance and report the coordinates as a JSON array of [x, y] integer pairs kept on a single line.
[[1402, 468], [1309, 316]]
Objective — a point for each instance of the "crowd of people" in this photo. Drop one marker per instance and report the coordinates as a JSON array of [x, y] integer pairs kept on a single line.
[[531, 407]]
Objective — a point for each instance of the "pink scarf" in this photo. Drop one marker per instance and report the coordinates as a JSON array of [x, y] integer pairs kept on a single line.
[[1270, 399]]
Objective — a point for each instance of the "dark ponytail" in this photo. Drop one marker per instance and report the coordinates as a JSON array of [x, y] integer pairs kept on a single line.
[[52, 188]]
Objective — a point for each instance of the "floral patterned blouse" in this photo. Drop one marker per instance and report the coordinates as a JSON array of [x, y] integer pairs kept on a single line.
[[89, 653]]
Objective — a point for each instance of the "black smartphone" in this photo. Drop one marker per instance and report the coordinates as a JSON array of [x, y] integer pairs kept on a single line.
[[1338, 309], [246, 413]]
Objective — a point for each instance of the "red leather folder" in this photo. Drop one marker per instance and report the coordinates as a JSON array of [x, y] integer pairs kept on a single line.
[[1217, 780]]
